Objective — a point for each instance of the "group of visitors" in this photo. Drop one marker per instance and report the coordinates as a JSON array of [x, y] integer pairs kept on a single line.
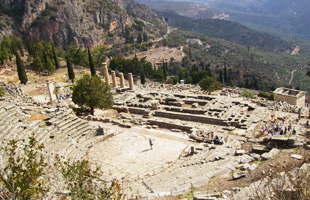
[[213, 140], [64, 96], [275, 128], [217, 140]]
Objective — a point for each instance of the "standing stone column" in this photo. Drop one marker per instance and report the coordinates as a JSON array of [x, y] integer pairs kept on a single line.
[[114, 81], [122, 80], [51, 89], [130, 80], [106, 73]]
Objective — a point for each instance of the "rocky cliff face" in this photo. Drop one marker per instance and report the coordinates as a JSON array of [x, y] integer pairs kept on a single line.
[[83, 22]]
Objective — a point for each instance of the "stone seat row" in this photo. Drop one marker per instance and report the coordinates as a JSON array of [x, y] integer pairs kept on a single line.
[[68, 135]]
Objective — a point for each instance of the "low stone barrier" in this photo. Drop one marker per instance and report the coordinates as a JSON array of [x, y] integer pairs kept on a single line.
[[191, 117], [170, 125]]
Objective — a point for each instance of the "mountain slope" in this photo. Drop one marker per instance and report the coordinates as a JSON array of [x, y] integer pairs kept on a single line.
[[283, 17], [83, 22], [229, 31]]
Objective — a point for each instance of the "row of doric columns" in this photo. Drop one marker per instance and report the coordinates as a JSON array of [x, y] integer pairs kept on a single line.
[[114, 79]]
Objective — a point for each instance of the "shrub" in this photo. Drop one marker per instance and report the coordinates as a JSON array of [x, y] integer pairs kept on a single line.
[[2, 92], [266, 95], [210, 84], [247, 93]]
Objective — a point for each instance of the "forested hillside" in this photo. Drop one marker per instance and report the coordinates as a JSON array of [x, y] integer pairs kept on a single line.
[[281, 17], [250, 68], [229, 31]]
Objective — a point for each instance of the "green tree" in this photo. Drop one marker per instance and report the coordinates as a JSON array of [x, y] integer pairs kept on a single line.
[[21, 70], [221, 76], [127, 36], [70, 70], [164, 70], [145, 37], [247, 93], [98, 55], [23, 176], [210, 84], [56, 61], [197, 76], [91, 63], [92, 93], [84, 183], [139, 38], [142, 77], [29, 44], [37, 65], [49, 67], [225, 75], [158, 75]]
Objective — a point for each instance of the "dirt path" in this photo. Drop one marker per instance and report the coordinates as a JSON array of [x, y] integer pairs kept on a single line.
[[292, 76], [296, 50]]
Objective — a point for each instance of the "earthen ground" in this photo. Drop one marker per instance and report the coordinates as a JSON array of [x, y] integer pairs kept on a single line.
[[156, 55], [128, 153]]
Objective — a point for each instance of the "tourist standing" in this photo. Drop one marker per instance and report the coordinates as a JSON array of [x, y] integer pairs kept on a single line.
[[151, 143]]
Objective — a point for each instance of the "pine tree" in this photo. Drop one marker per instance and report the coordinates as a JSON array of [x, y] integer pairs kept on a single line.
[[221, 76], [49, 66], [56, 61], [164, 70], [91, 64], [18, 45], [93, 93], [127, 35], [145, 37], [37, 65], [21, 70], [207, 68], [132, 40], [142, 77], [139, 39], [225, 75], [44, 58], [70, 70]]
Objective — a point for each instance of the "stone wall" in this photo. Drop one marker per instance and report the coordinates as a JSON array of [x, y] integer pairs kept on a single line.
[[301, 101], [137, 111], [191, 117], [169, 125], [288, 99], [293, 97]]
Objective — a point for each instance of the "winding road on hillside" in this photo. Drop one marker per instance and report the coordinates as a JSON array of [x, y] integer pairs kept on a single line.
[[169, 29]]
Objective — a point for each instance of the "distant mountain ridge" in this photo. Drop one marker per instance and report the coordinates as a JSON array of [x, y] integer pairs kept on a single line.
[[229, 31], [188, 9], [84, 22], [282, 17]]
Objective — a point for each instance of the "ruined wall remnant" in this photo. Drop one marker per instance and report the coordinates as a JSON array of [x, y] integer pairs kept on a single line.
[[191, 117], [291, 96]]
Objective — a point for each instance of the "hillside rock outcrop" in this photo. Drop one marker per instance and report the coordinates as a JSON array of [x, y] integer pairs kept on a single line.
[[85, 23]]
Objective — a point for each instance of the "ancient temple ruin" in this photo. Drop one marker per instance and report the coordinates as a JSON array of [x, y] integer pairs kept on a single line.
[[291, 96]]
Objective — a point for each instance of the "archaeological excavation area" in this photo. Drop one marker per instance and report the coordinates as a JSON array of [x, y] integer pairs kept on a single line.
[[196, 138]]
